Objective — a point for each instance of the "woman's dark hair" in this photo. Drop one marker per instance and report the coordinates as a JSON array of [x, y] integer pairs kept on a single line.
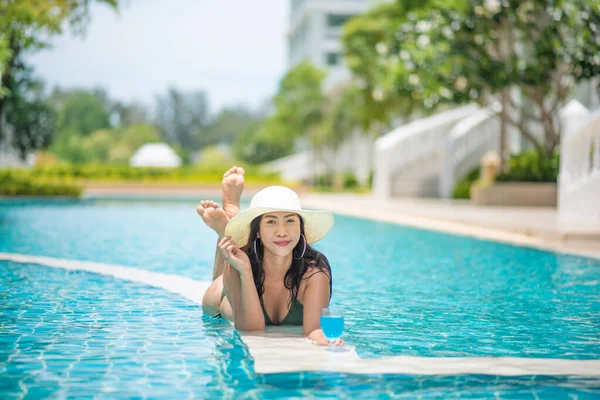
[[294, 275]]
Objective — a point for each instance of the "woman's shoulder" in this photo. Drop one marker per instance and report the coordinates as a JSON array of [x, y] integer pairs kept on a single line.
[[314, 269]]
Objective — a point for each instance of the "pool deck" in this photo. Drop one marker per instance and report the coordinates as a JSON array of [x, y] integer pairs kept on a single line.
[[525, 226]]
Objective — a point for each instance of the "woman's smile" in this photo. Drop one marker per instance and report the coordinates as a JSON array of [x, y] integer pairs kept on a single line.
[[282, 243]]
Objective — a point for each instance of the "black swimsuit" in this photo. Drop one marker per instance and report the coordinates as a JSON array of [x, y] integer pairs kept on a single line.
[[294, 317]]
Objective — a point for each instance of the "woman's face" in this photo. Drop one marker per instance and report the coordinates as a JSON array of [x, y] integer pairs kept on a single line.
[[280, 232]]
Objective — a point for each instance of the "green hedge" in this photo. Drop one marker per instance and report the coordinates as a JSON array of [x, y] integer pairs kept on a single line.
[[463, 187], [529, 166], [349, 180], [213, 174], [21, 183]]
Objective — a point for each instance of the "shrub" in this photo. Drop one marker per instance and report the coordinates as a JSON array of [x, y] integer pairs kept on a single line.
[[462, 189], [324, 181], [46, 159], [349, 181], [21, 183], [531, 166], [97, 172]]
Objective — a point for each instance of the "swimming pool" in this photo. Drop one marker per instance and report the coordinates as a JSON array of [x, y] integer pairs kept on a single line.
[[405, 291]]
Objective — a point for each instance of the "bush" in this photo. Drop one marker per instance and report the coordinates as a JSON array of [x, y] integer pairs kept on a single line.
[[97, 172], [349, 181], [21, 183], [531, 166], [46, 159], [324, 181], [462, 190], [214, 158]]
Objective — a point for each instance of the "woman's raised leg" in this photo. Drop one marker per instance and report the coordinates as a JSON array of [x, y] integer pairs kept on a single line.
[[232, 186]]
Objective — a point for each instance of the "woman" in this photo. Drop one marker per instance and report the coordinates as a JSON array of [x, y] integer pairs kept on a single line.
[[266, 272]]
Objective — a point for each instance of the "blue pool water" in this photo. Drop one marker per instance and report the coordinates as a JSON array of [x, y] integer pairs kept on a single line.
[[404, 291]]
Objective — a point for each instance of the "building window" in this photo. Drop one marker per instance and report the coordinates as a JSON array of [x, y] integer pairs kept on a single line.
[[333, 59], [337, 20]]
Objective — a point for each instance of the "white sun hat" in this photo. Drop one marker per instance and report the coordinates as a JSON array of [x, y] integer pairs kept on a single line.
[[274, 199]]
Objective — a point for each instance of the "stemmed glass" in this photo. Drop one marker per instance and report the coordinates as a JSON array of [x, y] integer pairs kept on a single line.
[[332, 323]]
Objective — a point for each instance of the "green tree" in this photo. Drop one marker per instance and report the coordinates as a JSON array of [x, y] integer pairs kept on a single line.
[[344, 112], [137, 135], [215, 158], [120, 154], [31, 118], [227, 126], [454, 51], [98, 145], [83, 111], [110, 145], [71, 147], [260, 143], [34, 123], [129, 114], [181, 116], [367, 40], [299, 102], [27, 26], [299, 108]]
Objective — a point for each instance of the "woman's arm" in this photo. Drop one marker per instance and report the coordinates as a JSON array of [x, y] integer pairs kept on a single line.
[[316, 297], [240, 290], [219, 264]]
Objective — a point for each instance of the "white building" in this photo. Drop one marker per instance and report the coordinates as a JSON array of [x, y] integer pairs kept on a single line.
[[315, 35], [155, 155], [315, 30]]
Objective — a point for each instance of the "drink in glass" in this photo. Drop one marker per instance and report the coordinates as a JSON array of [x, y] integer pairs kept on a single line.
[[332, 323]]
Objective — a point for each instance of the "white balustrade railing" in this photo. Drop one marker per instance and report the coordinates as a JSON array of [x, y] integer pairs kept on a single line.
[[295, 167], [464, 146], [580, 153], [579, 179], [353, 155], [411, 142]]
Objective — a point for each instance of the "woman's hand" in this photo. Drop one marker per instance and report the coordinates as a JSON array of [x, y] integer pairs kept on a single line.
[[318, 337], [234, 255], [339, 342]]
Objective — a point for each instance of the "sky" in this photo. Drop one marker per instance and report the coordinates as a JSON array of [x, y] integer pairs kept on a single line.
[[235, 50]]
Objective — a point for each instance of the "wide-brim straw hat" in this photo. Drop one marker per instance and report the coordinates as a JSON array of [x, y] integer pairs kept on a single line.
[[275, 199]]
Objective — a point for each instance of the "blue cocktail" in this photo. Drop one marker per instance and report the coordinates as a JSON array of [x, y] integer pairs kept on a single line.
[[332, 323]]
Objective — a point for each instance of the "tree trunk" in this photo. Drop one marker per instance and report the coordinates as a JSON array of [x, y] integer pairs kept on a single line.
[[2, 119], [503, 126], [6, 81]]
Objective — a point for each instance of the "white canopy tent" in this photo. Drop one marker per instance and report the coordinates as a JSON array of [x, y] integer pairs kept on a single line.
[[155, 155]]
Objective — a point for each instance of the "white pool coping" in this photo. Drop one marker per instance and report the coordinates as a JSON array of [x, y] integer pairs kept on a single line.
[[189, 288], [284, 349]]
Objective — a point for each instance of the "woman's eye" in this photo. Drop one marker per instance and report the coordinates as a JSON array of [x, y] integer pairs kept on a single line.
[[270, 222], [291, 220]]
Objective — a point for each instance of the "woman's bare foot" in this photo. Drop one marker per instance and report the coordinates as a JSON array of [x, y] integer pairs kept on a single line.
[[232, 187], [213, 216]]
